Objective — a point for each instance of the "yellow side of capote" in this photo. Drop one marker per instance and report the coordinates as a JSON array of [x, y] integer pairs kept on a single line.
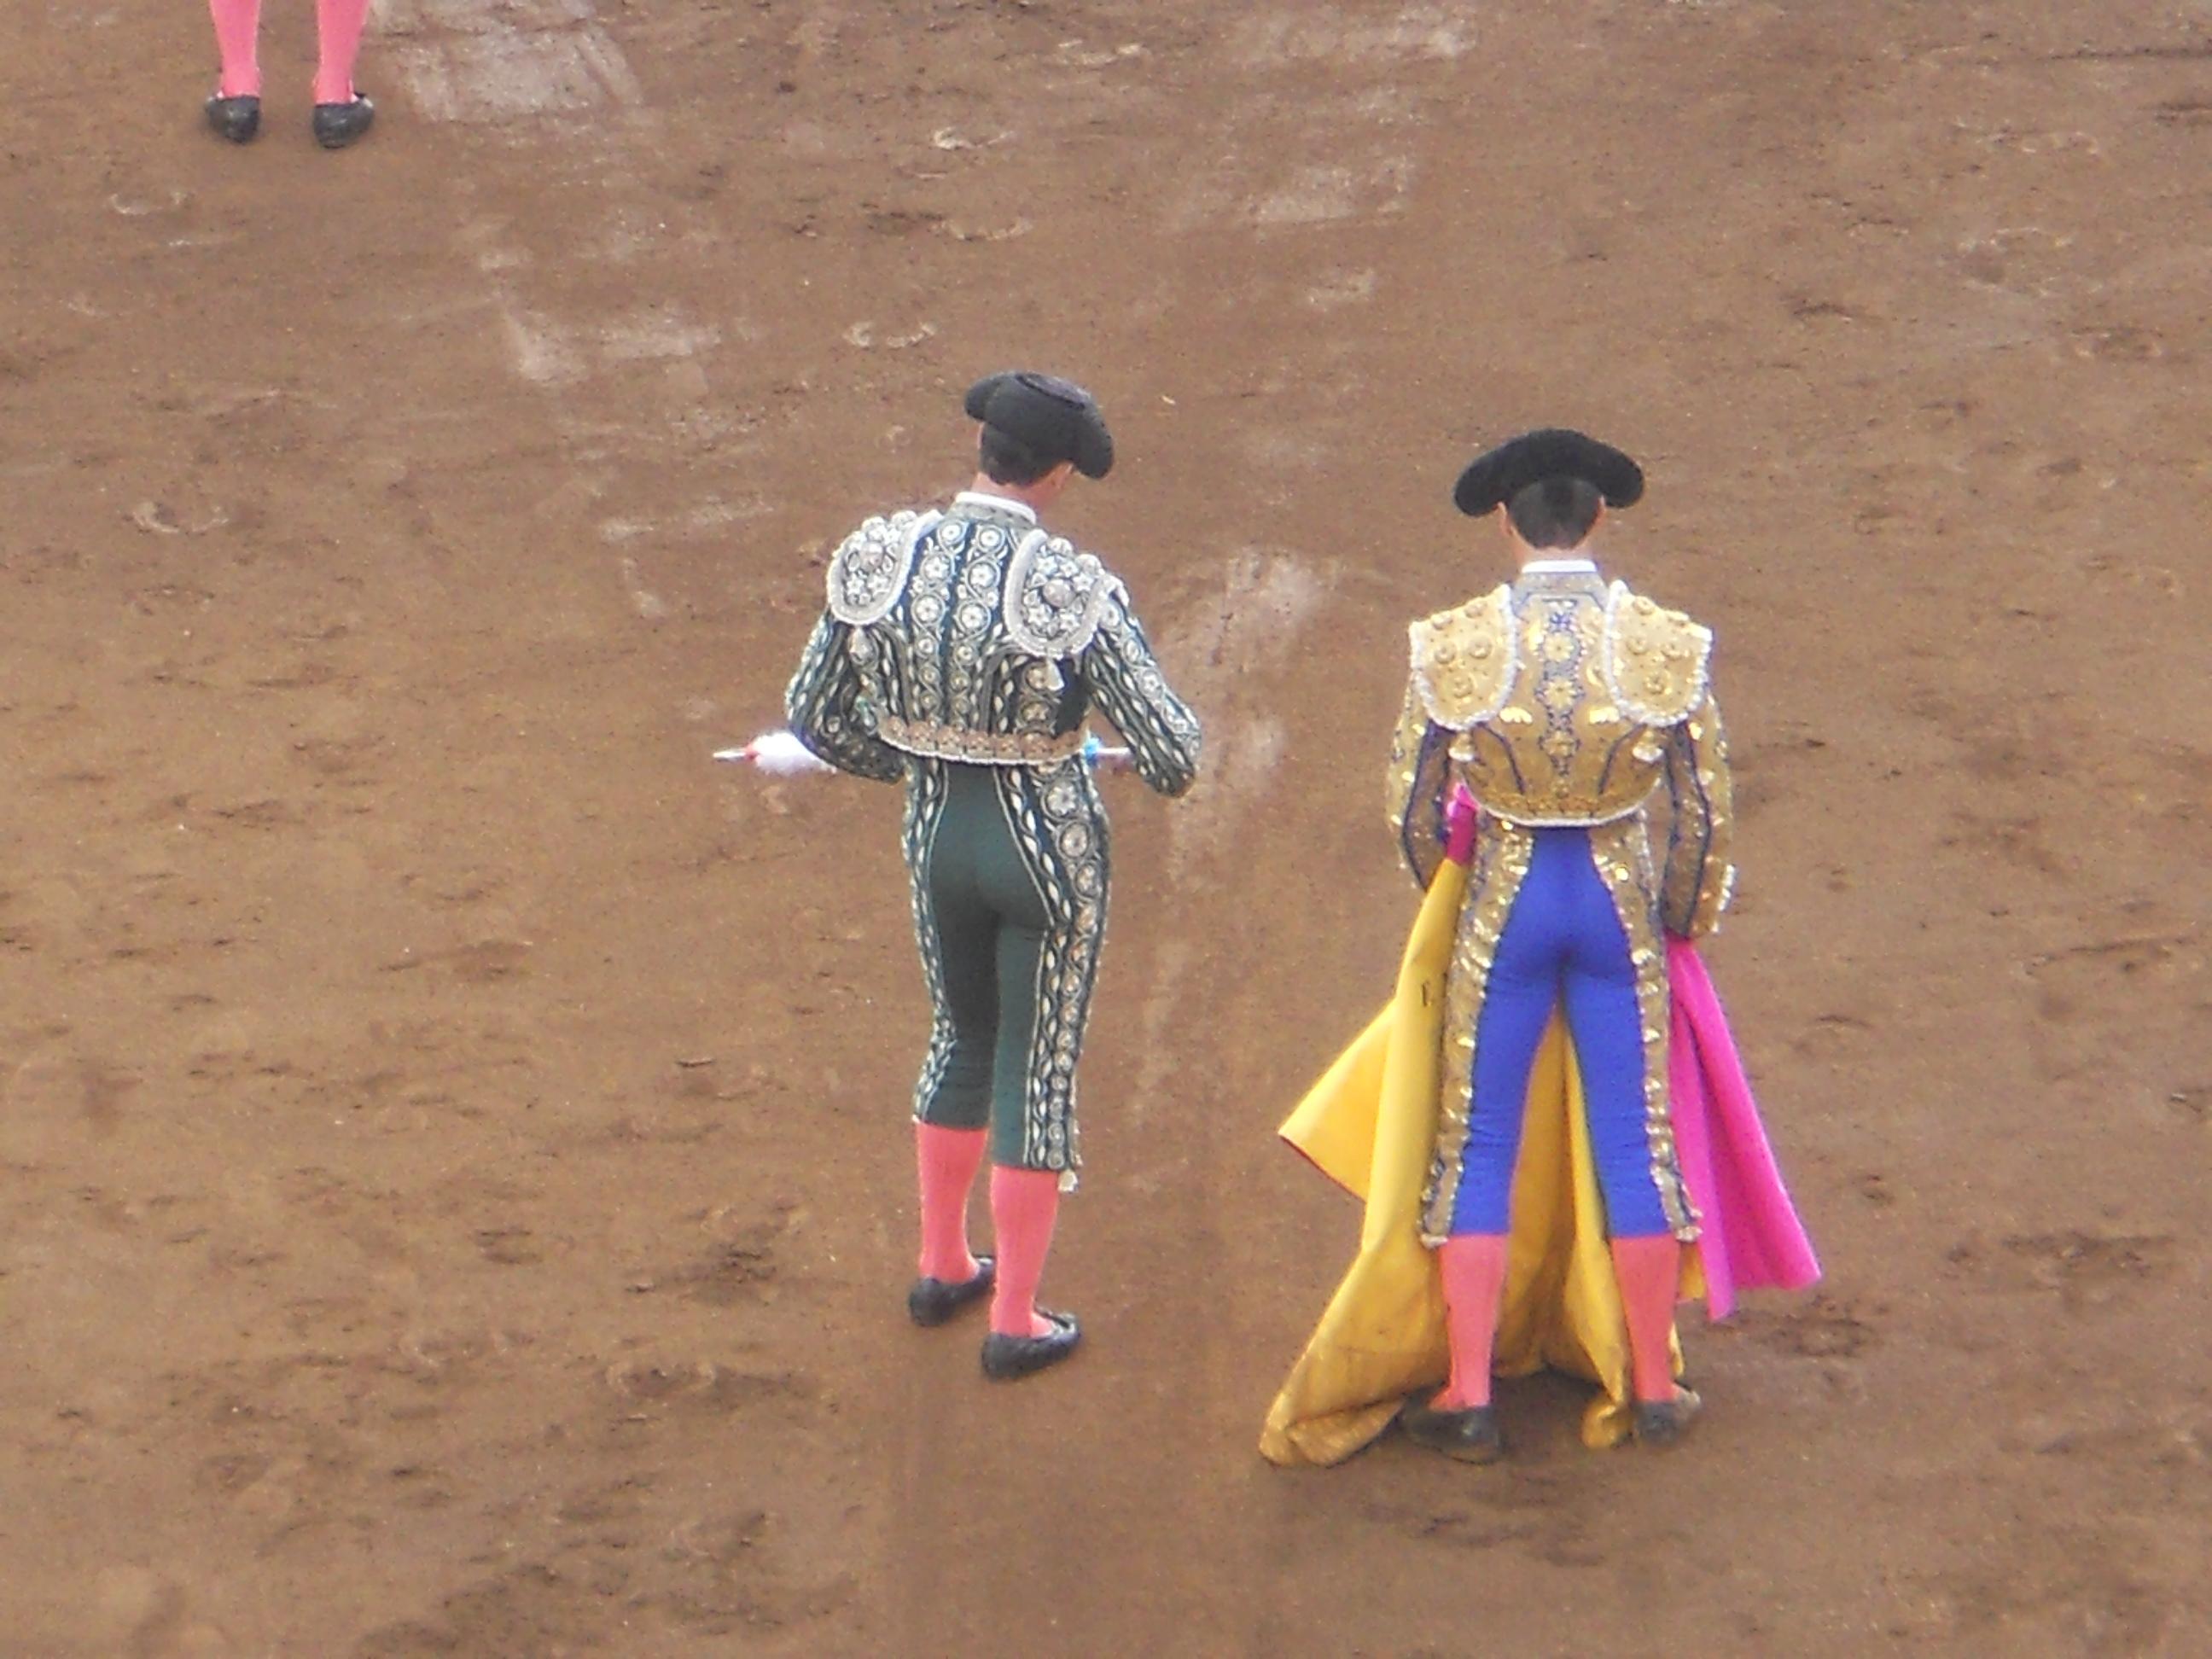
[[1370, 1125]]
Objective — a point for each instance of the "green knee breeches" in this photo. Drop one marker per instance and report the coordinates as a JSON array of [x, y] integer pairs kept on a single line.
[[1009, 869]]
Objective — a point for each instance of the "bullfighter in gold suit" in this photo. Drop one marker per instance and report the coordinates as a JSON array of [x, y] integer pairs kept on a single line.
[[1579, 717]]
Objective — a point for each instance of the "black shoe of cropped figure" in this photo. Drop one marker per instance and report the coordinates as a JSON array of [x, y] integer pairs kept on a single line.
[[1006, 1358], [934, 1301], [1471, 1435], [338, 126], [235, 118]]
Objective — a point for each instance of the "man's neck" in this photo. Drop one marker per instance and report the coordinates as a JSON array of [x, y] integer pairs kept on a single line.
[[1579, 559], [1014, 495]]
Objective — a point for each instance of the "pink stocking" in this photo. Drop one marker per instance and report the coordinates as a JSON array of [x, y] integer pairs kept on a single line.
[[1473, 1267], [237, 34], [1648, 1270], [1024, 1203], [947, 1160], [337, 27]]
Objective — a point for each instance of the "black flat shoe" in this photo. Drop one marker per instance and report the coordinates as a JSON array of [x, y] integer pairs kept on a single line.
[[235, 118], [1661, 1423], [338, 126], [1006, 1358], [1470, 1436], [934, 1301]]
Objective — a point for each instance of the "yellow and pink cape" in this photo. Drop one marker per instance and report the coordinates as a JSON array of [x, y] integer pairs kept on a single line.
[[1370, 1125]]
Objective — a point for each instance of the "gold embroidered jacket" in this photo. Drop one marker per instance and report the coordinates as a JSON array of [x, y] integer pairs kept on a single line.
[[1560, 701]]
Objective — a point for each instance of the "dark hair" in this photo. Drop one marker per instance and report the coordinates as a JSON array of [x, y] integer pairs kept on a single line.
[[1555, 511], [1008, 460]]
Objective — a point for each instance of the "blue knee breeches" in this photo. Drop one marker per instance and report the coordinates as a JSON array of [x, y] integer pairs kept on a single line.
[[1562, 943]]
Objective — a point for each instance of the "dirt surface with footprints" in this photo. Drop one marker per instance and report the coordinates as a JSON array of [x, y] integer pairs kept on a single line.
[[454, 1189]]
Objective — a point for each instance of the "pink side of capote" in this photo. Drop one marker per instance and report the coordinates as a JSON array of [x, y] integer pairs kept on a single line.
[[1461, 816], [1753, 1239]]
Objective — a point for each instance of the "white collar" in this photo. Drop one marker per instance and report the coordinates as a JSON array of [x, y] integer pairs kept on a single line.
[[1560, 568], [1005, 504]]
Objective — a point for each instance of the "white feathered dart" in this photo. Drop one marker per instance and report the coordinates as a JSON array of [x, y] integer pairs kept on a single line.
[[777, 752], [782, 755]]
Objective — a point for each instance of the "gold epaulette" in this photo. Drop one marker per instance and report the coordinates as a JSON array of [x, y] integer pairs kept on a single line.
[[1653, 660], [1464, 659]]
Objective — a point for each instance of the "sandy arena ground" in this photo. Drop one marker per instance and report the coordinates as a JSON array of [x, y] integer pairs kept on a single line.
[[456, 1186]]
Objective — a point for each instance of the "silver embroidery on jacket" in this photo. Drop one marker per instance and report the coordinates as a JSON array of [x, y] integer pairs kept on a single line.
[[869, 572], [1054, 596]]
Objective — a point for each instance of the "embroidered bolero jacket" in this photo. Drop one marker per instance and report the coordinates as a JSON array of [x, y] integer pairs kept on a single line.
[[974, 636], [1560, 700]]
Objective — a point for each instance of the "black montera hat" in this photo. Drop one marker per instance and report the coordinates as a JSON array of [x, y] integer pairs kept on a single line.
[[1551, 453], [1055, 419]]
